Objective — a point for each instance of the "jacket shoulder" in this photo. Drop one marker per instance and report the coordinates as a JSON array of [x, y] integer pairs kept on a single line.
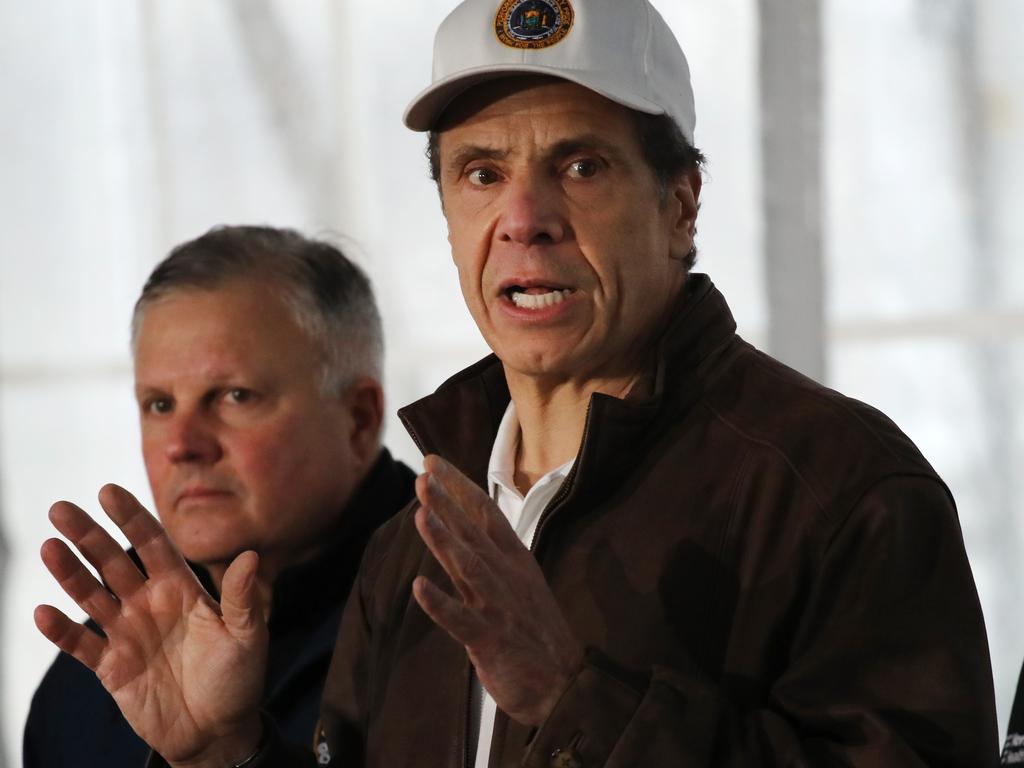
[[839, 447]]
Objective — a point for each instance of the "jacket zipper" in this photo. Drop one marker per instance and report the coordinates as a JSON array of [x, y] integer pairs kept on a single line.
[[560, 497]]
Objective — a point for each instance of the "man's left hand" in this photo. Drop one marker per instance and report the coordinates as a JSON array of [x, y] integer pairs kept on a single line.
[[503, 611]]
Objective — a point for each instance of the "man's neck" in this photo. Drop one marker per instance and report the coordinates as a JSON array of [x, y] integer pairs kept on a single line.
[[552, 417]]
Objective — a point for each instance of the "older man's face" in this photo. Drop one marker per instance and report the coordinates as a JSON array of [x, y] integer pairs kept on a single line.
[[242, 448], [568, 257]]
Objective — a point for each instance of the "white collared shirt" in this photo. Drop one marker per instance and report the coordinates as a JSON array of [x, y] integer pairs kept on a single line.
[[523, 513]]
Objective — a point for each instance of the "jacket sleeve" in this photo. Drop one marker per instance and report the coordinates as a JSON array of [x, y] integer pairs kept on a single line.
[[889, 666]]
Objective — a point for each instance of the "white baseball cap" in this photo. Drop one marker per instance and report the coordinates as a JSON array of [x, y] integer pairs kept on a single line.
[[621, 49]]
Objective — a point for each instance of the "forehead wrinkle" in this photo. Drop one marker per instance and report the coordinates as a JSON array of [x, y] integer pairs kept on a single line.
[[171, 357], [211, 374]]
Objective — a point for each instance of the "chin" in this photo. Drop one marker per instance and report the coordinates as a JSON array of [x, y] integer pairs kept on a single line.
[[207, 550], [543, 362]]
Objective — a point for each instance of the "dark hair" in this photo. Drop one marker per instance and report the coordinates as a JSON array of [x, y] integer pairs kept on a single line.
[[329, 296], [666, 151]]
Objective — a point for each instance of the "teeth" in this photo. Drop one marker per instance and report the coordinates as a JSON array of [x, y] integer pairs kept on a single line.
[[539, 300]]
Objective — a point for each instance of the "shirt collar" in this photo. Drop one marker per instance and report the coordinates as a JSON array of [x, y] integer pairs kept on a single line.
[[501, 469]]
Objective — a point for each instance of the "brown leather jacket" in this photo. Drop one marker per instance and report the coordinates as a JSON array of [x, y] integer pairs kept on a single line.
[[766, 573]]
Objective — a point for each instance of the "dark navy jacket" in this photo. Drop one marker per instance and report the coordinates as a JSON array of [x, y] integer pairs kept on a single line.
[[73, 721]]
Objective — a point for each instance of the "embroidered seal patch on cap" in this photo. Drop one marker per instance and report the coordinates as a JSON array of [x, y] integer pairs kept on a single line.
[[533, 23]]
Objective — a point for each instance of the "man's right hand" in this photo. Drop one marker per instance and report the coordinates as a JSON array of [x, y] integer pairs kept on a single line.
[[186, 673]]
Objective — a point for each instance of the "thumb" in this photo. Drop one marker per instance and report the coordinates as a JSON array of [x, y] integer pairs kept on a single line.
[[239, 598]]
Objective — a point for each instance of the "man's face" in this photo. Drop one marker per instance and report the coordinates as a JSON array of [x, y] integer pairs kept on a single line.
[[568, 256], [242, 449]]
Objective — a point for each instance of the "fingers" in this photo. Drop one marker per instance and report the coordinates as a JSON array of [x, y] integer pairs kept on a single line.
[[460, 518], [467, 533], [80, 585], [460, 489], [464, 563], [240, 603], [97, 546], [452, 616], [143, 531], [70, 636], [463, 505]]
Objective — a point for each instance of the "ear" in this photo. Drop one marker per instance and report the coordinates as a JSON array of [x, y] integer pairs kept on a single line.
[[682, 203], [364, 401]]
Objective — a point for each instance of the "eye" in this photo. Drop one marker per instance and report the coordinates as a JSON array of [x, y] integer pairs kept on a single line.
[[239, 395], [582, 169], [158, 405], [482, 177]]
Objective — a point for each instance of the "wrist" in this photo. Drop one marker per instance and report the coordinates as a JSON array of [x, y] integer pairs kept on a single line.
[[252, 756], [572, 663], [239, 749]]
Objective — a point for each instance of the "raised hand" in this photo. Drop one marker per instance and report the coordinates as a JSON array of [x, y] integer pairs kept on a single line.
[[186, 673], [504, 613]]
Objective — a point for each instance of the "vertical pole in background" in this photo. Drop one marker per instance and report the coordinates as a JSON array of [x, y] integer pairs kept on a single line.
[[156, 121], [348, 146], [791, 147], [991, 359]]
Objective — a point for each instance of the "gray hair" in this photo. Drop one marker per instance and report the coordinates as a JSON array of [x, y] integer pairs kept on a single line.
[[330, 297]]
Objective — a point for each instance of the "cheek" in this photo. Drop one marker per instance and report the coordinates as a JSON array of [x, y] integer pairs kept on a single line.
[[278, 461], [259, 457], [632, 289], [154, 457], [295, 482], [470, 231], [470, 254]]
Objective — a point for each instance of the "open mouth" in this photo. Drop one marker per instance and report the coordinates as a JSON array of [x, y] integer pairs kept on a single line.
[[536, 297]]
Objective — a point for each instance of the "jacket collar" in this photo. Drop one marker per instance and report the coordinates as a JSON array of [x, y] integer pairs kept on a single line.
[[385, 489], [459, 421]]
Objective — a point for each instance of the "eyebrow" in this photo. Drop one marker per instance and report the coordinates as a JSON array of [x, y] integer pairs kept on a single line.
[[585, 142], [465, 153], [142, 391]]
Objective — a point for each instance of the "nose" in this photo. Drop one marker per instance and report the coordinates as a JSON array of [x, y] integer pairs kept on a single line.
[[191, 438], [532, 213]]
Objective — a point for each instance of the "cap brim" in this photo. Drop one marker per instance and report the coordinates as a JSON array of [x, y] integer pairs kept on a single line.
[[423, 112]]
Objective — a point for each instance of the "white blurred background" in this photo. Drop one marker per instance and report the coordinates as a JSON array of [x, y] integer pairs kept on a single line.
[[862, 216]]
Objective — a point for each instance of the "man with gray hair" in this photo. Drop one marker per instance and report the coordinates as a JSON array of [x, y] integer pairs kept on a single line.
[[258, 360], [638, 541]]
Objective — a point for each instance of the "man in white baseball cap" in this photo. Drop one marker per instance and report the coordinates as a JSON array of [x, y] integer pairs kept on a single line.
[[637, 541]]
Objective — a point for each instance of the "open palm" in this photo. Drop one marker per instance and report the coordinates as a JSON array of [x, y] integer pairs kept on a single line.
[[186, 673]]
